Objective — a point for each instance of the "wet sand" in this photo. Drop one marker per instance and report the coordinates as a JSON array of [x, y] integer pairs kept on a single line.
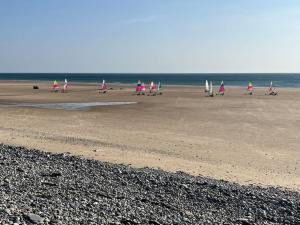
[[246, 139]]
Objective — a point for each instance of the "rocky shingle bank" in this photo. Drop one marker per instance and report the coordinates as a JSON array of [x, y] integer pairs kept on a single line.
[[44, 188]]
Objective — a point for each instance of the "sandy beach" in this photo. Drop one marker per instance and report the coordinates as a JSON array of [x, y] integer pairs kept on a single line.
[[240, 138]]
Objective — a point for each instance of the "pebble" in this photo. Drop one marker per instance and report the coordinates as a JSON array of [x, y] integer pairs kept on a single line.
[[36, 219], [64, 189]]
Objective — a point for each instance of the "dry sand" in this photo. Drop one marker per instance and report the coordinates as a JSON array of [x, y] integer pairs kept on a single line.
[[246, 139]]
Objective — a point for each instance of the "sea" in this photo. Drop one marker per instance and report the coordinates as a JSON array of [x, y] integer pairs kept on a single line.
[[230, 79]]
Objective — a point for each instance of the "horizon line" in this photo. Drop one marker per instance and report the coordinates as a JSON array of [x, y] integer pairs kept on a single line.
[[158, 73]]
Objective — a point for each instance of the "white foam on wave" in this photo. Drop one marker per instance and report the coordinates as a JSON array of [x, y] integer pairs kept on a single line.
[[70, 106]]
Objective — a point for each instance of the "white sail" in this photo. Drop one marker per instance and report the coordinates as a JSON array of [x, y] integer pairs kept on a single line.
[[206, 86], [151, 85], [211, 88], [65, 85]]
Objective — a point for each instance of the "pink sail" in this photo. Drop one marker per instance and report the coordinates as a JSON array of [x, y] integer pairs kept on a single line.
[[152, 87], [250, 87], [55, 85], [104, 86], [138, 86], [143, 87], [222, 88], [66, 85]]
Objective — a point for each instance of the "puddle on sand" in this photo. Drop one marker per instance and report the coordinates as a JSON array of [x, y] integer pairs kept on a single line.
[[69, 106]]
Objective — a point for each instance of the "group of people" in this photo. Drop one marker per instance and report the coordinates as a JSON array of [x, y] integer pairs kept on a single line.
[[157, 89], [209, 89]]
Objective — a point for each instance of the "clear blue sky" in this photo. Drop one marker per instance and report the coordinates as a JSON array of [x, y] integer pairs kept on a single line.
[[149, 36]]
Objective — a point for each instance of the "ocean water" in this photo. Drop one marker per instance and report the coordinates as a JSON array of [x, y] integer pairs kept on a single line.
[[259, 80]]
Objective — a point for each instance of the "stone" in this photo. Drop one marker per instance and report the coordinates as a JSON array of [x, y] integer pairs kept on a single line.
[[75, 190], [34, 218]]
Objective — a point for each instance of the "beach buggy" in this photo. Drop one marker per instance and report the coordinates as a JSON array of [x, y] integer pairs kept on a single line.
[[138, 88], [250, 88], [55, 86], [152, 89], [103, 87], [271, 90], [221, 89]]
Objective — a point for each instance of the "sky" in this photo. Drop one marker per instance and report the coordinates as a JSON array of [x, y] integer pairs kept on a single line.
[[149, 36]]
